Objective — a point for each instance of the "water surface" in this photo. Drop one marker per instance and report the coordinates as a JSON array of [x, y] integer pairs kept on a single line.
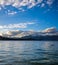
[[28, 52]]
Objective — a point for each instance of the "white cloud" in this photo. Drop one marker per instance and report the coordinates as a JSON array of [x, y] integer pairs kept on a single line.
[[17, 33], [49, 2], [20, 3], [11, 12], [39, 1], [21, 9], [1, 34], [52, 29], [0, 8], [42, 5], [19, 25], [13, 32]]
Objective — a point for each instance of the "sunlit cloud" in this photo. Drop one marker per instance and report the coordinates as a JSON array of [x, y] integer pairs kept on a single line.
[[52, 29]]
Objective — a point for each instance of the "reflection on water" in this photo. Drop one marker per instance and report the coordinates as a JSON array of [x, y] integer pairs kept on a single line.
[[28, 52]]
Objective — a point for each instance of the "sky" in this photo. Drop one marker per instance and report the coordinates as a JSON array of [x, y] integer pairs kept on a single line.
[[28, 14]]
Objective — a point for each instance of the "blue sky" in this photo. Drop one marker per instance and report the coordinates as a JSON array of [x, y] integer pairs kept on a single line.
[[28, 14]]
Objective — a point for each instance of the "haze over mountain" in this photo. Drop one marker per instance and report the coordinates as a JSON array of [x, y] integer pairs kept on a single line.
[[18, 34]]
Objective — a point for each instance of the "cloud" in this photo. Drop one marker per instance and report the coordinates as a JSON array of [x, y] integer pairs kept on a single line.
[[19, 3], [24, 3], [11, 12], [13, 32], [0, 8], [52, 29], [22, 10], [19, 33], [19, 25], [1, 34], [8, 30], [49, 2], [42, 5]]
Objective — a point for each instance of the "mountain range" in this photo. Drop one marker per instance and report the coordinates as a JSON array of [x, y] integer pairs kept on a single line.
[[29, 35]]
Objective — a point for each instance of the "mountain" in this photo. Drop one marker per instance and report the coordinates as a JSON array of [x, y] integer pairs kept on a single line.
[[31, 35]]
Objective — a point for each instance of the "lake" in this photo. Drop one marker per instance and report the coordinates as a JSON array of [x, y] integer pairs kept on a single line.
[[28, 52]]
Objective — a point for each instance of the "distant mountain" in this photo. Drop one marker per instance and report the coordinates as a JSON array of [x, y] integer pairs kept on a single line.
[[31, 35]]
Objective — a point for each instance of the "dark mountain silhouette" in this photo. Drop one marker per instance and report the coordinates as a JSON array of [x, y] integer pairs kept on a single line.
[[30, 37]]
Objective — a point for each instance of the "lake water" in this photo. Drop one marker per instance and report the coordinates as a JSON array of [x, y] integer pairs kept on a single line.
[[28, 52]]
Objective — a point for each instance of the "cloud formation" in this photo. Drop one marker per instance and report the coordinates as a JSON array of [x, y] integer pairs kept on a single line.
[[52, 29], [19, 25], [12, 33], [49, 2], [11, 12], [18, 33], [24, 3]]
